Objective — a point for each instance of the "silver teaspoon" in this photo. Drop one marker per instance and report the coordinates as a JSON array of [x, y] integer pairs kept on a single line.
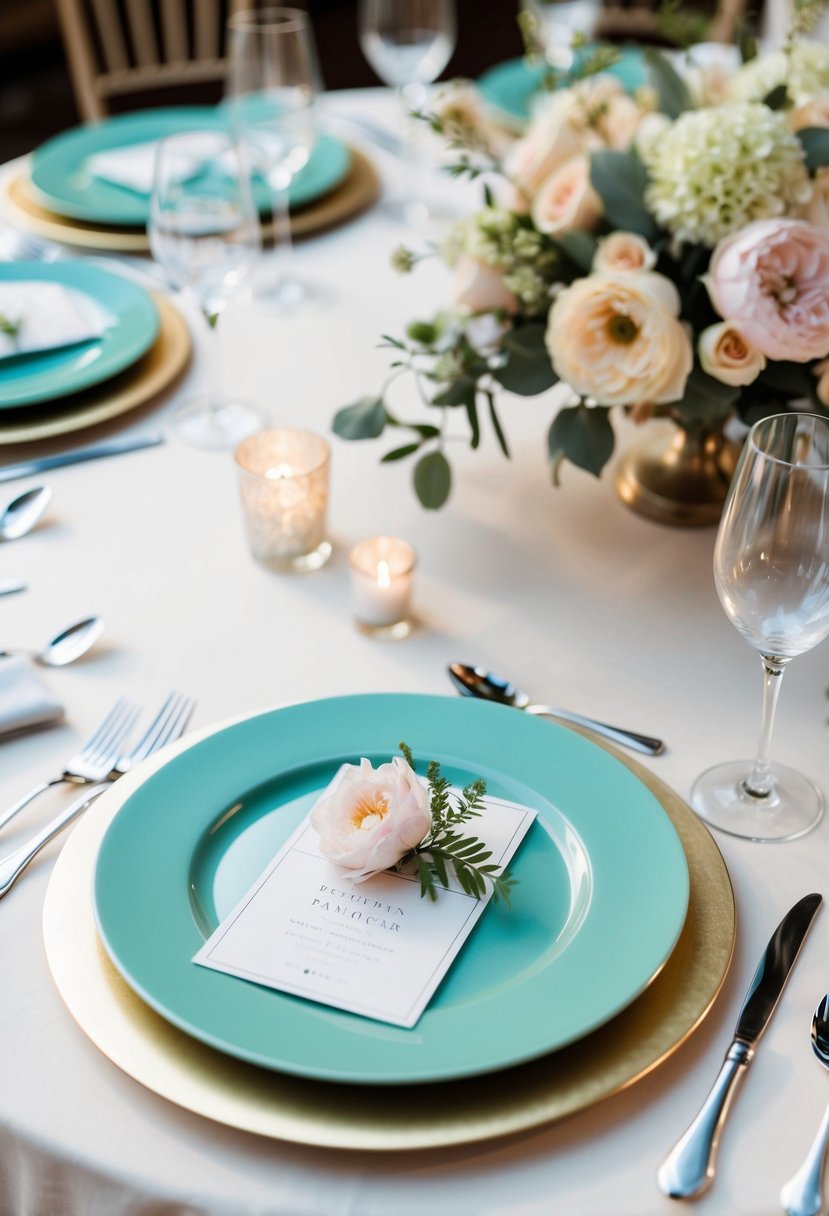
[[802, 1194], [21, 514], [477, 682], [69, 644]]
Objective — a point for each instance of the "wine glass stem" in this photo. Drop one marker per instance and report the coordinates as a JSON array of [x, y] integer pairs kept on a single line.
[[282, 242], [408, 97], [759, 783]]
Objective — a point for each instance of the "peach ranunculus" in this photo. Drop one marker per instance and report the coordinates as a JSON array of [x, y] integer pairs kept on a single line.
[[623, 253], [550, 141], [478, 287], [566, 200], [813, 113], [617, 339], [772, 280], [726, 355], [371, 817], [821, 371]]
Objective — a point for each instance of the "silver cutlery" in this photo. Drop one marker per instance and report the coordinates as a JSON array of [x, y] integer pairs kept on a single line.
[[478, 682], [169, 723], [72, 642], [21, 514], [113, 447], [17, 246], [689, 1167], [96, 759], [803, 1194]]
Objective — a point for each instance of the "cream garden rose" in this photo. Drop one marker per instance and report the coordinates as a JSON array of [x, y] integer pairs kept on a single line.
[[616, 338], [551, 140], [566, 200], [727, 356], [477, 287], [372, 817], [623, 253]]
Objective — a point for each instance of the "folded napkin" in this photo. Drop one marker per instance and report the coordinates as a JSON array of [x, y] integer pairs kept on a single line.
[[25, 701], [133, 167], [38, 316]]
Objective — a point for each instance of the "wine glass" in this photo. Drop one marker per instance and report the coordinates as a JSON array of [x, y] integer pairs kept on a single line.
[[204, 231], [408, 43], [771, 568], [556, 23], [273, 82]]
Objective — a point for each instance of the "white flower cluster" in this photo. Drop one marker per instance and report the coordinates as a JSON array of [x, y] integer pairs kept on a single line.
[[805, 71], [715, 170], [503, 241]]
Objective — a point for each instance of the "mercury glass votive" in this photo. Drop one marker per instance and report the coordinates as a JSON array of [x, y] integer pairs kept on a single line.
[[381, 585], [283, 479]]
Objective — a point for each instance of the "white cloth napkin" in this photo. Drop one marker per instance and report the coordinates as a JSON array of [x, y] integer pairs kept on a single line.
[[46, 316], [25, 701], [133, 166]]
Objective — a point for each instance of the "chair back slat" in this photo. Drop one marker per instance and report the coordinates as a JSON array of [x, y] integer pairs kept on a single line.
[[113, 44], [206, 29], [174, 28], [142, 33]]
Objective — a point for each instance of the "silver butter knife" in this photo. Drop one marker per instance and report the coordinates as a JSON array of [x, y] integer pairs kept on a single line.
[[114, 447], [689, 1167]]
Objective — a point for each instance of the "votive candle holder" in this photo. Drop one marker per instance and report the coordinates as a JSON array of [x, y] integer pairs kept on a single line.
[[283, 480], [382, 569]]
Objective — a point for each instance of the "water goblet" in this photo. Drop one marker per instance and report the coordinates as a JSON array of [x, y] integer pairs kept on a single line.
[[771, 569], [555, 24], [272, 87], [204, 232], [408, 43]]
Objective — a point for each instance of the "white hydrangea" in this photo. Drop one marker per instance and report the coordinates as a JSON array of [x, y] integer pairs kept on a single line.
[[806, 74], [715, 170]]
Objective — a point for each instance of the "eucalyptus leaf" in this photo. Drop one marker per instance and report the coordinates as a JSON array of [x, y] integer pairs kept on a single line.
[[778, 98], [583, 435], [528, 369], [459, 392], [706, 399], [671, 89], [365, 419], [815, 141], [474, 424], [496, 425], [408, 449], [580, 248], [432, 480], [620, 179]]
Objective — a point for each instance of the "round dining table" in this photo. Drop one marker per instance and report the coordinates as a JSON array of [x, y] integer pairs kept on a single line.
[[562, 589]]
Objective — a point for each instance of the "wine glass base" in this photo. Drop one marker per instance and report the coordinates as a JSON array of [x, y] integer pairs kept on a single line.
[[794, 806], [292, 297], [217, 426], [416, 212]]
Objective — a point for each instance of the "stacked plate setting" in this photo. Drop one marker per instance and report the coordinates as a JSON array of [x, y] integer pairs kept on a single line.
[[623, 914]]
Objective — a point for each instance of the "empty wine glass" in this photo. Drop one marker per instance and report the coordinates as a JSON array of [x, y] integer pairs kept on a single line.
[[408, 43], [204, 231], [273, 82], [771, 568], [556, 23]]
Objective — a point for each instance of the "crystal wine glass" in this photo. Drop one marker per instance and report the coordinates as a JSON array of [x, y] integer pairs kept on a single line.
[[272, 87], [408, 43], [204, 231], [771, 568], [556, 23]]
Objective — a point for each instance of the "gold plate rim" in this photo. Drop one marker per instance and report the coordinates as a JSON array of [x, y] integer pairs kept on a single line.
[[204, 1081], [136, 385], [355, 194]]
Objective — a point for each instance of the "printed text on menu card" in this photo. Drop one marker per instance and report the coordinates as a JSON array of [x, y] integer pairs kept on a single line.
[[373, 948]]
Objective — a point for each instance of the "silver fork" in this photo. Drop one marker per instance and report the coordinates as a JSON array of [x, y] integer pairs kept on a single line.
[[95, 759], [17, 246], [169, 723]]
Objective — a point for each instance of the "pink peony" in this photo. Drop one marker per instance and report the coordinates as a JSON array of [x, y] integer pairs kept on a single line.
[[370, 817], [772, 280]]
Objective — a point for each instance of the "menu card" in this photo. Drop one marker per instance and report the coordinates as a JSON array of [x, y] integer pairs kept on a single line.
[[374, 948]]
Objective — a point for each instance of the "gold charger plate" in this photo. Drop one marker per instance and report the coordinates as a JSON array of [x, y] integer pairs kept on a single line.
[[357, 192], [154, 371], [194, 1076]]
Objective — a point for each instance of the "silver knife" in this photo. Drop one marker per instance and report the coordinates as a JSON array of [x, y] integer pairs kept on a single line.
[[689, 1167], [26, 468]]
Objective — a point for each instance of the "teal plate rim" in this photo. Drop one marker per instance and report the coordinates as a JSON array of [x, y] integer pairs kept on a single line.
[[509, 87], [59, 183], [590, 942], [60, 372]]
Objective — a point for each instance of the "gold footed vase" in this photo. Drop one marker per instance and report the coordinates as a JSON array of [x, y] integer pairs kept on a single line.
[[681, 479]]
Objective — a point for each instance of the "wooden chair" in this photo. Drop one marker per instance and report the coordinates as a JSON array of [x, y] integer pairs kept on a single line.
[[117, 49]]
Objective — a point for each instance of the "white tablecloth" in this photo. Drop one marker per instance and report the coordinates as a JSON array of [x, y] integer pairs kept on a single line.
[[564, 590]]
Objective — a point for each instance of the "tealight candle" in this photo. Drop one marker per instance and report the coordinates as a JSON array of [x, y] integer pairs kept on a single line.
[[381, 585], [283, 479]]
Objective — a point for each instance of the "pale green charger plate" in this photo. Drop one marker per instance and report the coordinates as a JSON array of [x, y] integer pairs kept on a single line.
[[62, 183], [44, 375], [600, 903]]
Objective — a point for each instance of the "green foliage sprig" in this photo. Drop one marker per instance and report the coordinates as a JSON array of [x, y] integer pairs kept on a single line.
[[446, 848], [9, 327]]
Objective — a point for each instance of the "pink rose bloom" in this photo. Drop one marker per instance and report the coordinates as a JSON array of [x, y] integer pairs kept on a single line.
[[477, 287], [566, 200], [772, 280], [550, 140], [372, 817]]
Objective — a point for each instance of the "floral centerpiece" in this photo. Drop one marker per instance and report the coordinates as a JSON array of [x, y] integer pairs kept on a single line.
[[664, 253]]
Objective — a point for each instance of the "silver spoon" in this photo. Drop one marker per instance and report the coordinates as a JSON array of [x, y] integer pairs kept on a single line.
[[477, 682], [69, 644], [21, 514], [802, 1196]]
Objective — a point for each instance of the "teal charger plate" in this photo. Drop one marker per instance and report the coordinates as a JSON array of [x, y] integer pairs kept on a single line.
[[510, 87], [43, 376], [61, 183], [601, 897]]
